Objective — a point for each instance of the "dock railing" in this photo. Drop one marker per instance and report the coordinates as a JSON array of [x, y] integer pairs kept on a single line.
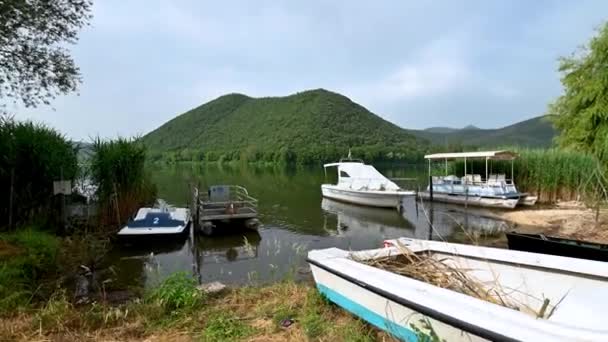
[[226, 202]]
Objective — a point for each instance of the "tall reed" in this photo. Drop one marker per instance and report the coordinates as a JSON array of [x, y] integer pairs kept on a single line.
[[118, 169], [32, 156]]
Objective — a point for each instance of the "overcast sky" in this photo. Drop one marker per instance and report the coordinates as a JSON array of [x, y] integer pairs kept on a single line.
[[415, 63]]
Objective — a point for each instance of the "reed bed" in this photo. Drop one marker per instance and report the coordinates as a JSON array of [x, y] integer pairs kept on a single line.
[[439, 272], [32, 156], [118, 169]]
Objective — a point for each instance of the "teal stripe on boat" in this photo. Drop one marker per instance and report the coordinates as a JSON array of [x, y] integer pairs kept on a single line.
[[357, 309]]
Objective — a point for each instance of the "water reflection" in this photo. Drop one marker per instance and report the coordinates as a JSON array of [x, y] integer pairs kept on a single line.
[[295, 219], [223, 249], [355, 220]]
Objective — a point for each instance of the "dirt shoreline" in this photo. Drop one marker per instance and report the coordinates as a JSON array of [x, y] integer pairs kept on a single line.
[[566, 219]]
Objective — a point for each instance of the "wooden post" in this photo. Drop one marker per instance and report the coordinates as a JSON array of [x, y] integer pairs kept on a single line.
[[116, 202], [10, 199], [431, 188]]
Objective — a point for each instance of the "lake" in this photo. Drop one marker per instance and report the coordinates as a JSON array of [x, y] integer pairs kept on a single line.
[[295, 219]]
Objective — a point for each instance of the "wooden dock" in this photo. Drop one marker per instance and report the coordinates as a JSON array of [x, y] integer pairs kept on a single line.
[[224, 207]]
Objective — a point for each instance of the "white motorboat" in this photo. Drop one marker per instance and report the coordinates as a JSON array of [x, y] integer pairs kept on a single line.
[[494, 191], [163, 222], [556, 298], [362, 184]]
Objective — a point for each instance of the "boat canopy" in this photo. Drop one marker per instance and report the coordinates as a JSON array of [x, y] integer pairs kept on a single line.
[[360, 176], [494, 155]]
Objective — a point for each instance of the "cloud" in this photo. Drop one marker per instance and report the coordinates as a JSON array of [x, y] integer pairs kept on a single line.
[[415, 63]]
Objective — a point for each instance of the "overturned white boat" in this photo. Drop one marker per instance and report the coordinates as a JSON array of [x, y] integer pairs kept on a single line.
[[163, 222], [495, 190], [558, 298], [362, 184]]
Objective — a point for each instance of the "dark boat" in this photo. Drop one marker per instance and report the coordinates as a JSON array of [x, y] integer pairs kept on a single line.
[[539, 243]]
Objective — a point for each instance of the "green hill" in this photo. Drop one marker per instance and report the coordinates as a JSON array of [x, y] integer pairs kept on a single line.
[[536, 132], [308, 127]]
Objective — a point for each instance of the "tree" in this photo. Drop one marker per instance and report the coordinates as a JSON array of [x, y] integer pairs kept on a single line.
[[35, 66], [581, 113]]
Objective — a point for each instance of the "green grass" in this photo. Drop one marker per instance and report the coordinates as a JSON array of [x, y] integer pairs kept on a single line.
[[306, 128], [20, 273], [177, 293], [222, 326]]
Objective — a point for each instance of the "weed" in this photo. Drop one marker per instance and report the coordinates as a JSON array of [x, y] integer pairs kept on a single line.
[[20, 274], [313, 323], [356, 331], [176, 293], [222, 327], [53, 314]]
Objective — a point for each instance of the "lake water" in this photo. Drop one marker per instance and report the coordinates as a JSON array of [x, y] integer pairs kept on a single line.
[[295, 219]]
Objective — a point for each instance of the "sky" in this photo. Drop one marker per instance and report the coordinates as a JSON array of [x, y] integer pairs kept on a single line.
[[415, 63]]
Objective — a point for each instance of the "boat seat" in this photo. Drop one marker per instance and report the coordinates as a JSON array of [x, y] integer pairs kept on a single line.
[[493, 180], [477, 179], [467, 179]]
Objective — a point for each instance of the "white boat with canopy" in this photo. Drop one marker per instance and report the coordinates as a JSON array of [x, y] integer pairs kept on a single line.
[[362, 184], [453, 292], [495, 190]]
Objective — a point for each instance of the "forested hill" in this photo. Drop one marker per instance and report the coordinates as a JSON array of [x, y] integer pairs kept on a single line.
[[308, 127], [535, 132]]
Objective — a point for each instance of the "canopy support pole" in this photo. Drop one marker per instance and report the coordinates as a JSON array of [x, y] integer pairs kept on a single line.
[[486, 169], [446, 166], [430, 172], [465, 166], [512, 175]]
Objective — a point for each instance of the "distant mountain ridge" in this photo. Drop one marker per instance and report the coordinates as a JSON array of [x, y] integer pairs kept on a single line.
[[307, 127], [312, 127], [535, 132]]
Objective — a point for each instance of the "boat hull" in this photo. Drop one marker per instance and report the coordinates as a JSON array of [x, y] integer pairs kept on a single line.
[[414, 310], [380, 199], [378, 309], [488, 202], [151, 237], [563, 247]]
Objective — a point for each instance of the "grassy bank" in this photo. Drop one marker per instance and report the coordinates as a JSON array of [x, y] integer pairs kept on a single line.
[[27, 257], [177, 310]]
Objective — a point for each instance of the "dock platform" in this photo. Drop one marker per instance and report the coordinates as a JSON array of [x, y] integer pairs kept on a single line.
[[224, 207]]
